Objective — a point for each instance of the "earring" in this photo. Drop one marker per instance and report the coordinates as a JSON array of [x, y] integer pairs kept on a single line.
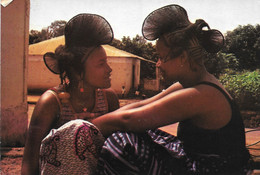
[[81, 84]]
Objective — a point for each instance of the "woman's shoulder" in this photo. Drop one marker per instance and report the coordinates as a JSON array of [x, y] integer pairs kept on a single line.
[[57, 89], [48, 99], [46, 110], [215, 86], [211, 97]]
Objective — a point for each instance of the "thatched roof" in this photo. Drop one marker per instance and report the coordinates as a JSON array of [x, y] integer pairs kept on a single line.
[[50, 45]]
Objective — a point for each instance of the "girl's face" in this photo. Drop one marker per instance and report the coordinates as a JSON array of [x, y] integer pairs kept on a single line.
[[171, 68], [97, 71]]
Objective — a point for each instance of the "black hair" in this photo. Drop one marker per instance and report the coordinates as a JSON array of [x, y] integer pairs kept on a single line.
[[192, 39], [171, 25], [83, 33], [70, 61]]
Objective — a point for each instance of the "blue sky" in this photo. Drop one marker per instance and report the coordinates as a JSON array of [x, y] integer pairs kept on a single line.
[[126, 16]]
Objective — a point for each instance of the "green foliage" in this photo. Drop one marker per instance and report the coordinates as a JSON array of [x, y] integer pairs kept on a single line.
[[241, 51], [244, 43], [54, 30], [251, 119], [34, 37], [244, 87], [220, 62]]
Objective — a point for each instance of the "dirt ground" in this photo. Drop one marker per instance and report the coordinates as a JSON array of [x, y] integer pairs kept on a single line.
[[11, 158], [11, 166]]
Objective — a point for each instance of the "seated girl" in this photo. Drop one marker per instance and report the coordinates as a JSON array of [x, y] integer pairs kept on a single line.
[[83, 94]]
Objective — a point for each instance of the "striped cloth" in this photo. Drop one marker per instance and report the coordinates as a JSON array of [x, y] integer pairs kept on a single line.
[[158, 153], [137, 154]]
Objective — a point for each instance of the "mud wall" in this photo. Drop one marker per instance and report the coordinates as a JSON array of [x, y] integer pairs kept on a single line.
[[14, 51]]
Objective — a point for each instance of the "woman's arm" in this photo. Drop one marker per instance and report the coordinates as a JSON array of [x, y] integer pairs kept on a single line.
[[174, 107], [172, 88], [43, 117]]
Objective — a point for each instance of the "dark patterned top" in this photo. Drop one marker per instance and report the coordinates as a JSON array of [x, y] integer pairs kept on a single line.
[[67, 112]]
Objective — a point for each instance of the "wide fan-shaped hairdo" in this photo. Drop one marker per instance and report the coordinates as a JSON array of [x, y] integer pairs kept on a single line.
[[164, 20], [83, 30], [173, 18], [87, 30], [51, 62]]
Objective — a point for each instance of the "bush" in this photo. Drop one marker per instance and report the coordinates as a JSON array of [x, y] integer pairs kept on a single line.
[[251, 119], [244, 88], [221, 62]]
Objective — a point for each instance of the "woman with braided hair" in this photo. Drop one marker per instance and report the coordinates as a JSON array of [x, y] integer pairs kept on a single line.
[[83, 94], [210, 137]]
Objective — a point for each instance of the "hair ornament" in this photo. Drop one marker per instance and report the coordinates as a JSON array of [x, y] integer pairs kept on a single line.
[[52, 63], [83, 32], [169, 21]]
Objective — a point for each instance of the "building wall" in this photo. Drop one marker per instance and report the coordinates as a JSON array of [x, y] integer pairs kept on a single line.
[[137, 63], [154, 84], [123, 73], [40, 78], [14, 49]]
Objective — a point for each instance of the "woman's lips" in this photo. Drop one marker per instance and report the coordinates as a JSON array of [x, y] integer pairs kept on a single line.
[[108, 77]]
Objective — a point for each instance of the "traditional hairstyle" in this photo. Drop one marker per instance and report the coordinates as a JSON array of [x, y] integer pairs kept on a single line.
[[83, 33], [171, 24]]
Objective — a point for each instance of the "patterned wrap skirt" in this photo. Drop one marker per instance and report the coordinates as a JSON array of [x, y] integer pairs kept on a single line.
[[157, 152], [71, 149]]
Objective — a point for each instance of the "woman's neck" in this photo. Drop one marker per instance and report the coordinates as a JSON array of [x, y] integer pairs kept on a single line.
[[82, 100], [81, 92], [195, 77]]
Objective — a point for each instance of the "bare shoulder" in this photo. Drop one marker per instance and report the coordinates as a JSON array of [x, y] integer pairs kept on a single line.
[[43, 118], [206, 93], [215, 89], [199, 100], [216, 109], [47, 99], [46, 108], [112, 99]]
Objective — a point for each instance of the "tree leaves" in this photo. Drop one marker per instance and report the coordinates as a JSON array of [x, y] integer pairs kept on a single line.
[[139, 46], [244, 43], [54, 30]]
